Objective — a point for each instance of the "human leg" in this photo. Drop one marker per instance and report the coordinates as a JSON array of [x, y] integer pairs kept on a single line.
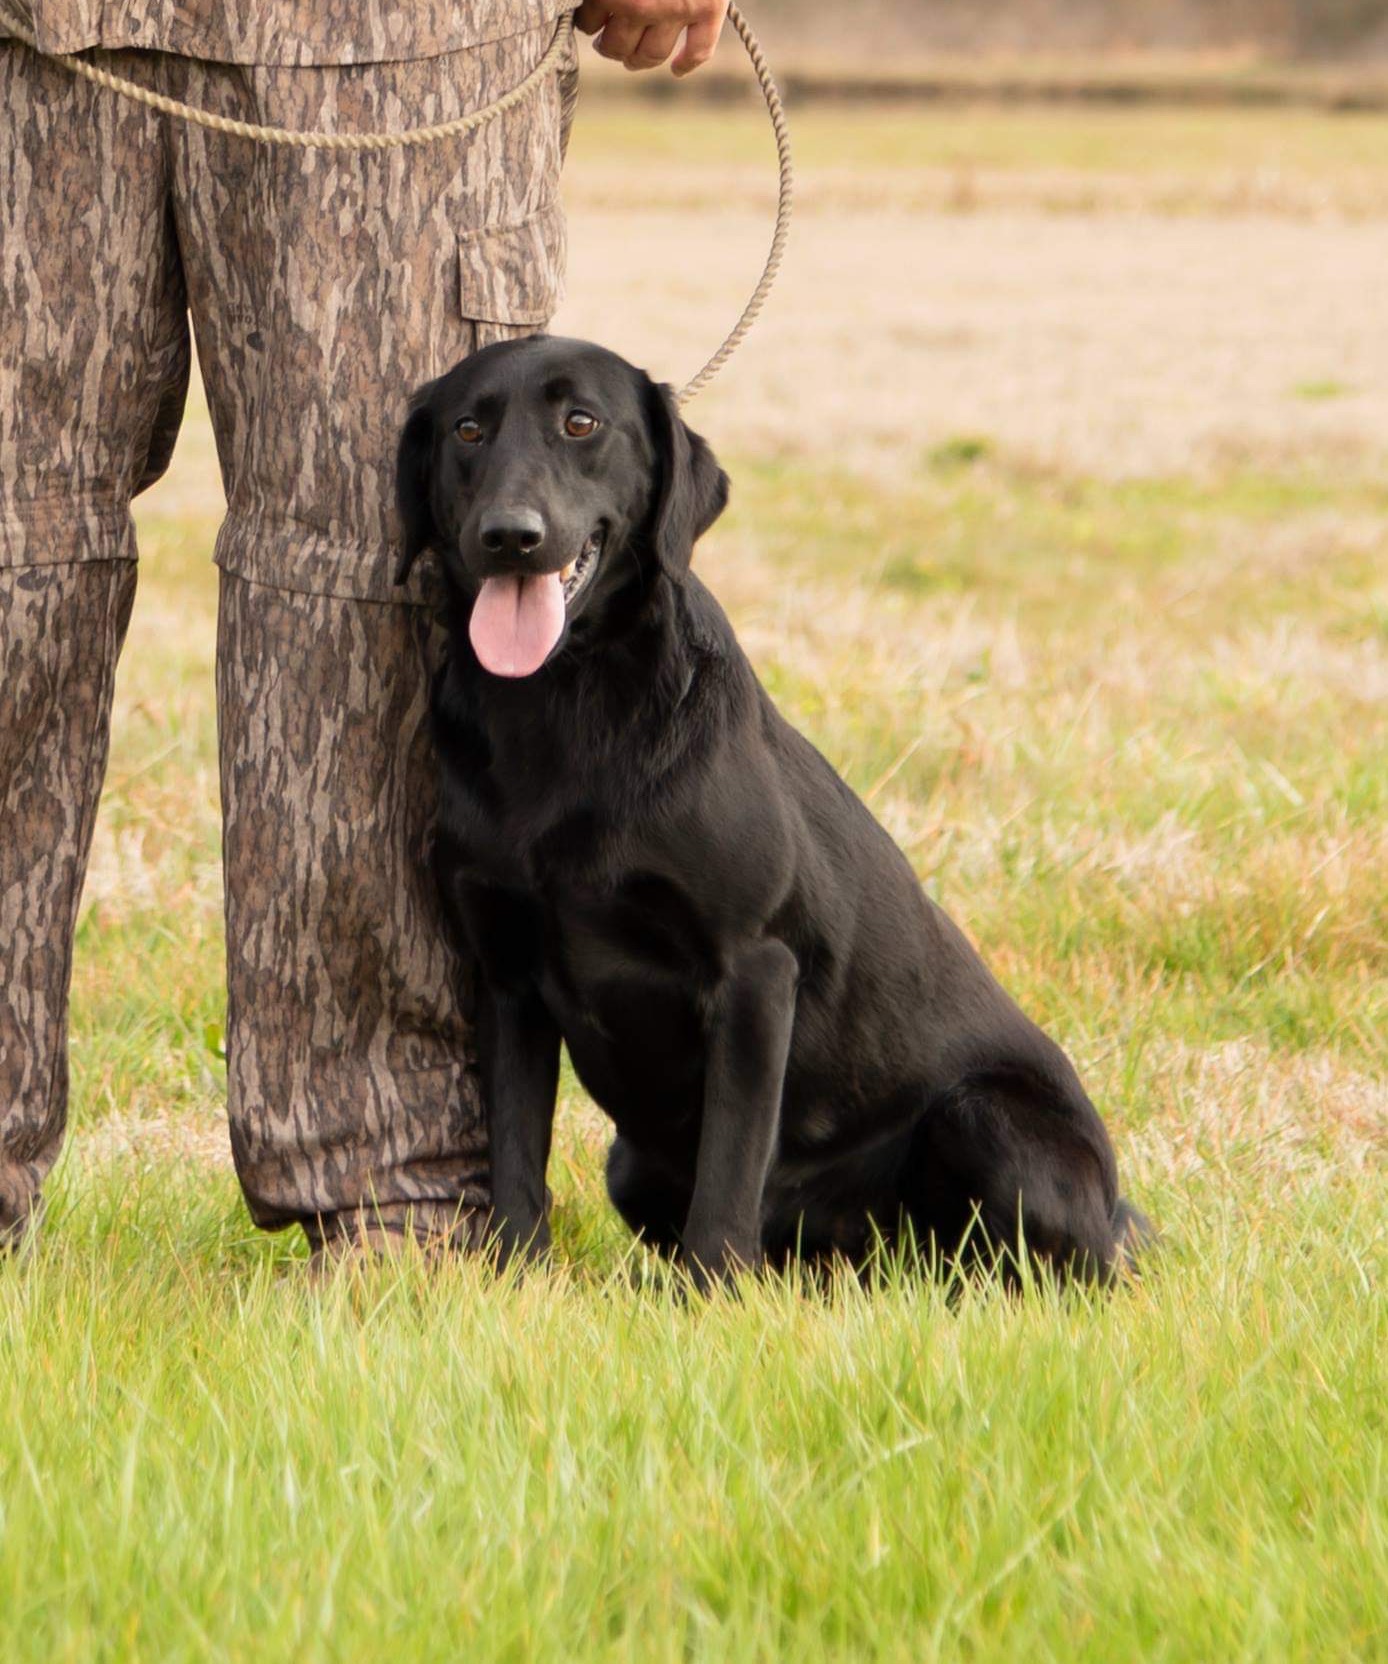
[[93, 367], [324, 289]]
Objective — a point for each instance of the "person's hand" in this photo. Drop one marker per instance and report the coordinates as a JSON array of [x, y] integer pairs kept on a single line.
[[643, 33]]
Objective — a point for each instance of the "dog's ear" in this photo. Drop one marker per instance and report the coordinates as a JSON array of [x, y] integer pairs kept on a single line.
[[414, 466], [693, 488]]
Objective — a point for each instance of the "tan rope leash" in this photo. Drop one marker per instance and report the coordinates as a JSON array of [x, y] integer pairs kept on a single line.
[[785, 191], [308, 140], [469, 123]]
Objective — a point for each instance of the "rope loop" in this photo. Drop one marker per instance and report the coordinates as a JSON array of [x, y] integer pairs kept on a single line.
[[469, 123]]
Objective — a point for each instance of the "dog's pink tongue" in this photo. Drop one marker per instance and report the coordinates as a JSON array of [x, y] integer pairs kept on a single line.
[[516, 622]]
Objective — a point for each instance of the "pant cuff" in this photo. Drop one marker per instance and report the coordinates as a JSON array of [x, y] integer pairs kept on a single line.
[[20, 1217], [392, 1227]]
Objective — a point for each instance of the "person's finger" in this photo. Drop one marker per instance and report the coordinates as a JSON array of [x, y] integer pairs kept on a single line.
[[655, 46], [699, 42], [590, 17], [619, 37]]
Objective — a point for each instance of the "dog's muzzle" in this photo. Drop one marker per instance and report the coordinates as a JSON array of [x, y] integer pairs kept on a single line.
[[518, 618]]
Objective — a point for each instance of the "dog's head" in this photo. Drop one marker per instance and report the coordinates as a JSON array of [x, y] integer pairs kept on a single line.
[[550, 476]]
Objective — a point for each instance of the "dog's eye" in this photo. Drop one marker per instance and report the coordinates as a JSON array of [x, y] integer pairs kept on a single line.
[[581, 424], [468, 430]]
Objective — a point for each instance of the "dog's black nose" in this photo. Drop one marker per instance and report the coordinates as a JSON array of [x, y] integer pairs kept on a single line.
[[511, 531]]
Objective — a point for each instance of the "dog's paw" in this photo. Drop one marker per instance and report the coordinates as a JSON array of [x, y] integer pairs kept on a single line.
[[718, 1265], [519, 1247]]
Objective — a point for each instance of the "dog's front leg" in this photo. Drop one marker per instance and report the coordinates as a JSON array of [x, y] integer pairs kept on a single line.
[[748, 1041], [518, 1046]]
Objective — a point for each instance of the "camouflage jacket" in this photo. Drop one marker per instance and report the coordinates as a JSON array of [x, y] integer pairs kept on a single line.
[[279, 31]]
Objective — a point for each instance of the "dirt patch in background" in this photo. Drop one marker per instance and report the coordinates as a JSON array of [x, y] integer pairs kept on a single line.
[[1177, 312], [1114, 344]]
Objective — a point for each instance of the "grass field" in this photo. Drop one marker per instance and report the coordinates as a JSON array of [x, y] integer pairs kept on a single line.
[[1179, 160], [1130, 726], [1020, 138]]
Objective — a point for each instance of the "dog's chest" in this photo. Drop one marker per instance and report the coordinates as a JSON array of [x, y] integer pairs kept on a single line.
[[628, 974], [514, 826], [612, 890], [644, 925]]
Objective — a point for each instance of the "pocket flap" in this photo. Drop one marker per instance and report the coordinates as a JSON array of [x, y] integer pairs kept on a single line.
[[513, 274]]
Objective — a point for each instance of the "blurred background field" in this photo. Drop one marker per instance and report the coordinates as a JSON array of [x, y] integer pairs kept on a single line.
[[1061, 525], [1059, 522], [1205, 40]]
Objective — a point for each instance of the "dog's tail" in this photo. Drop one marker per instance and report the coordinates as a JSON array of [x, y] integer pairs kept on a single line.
[[1135, 1238]]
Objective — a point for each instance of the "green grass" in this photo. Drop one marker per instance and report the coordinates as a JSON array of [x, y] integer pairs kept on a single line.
[[998, 136], [963, 157], [205, 1457], [1132, 734], [1120, 726], [1321, 390]]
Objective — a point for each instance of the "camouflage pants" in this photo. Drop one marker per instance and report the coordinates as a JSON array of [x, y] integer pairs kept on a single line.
[[322, 289]]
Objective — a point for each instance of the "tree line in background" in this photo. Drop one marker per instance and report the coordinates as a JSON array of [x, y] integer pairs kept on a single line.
[[1274, 29]]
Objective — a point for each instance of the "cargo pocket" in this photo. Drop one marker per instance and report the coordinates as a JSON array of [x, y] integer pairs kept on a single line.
[[511, 277]]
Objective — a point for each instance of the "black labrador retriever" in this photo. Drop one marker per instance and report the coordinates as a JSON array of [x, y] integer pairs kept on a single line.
[[800, 1052]]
